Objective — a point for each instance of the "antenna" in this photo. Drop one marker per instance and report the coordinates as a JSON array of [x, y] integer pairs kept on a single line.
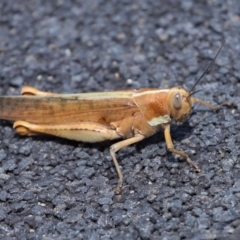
[[207, 69]]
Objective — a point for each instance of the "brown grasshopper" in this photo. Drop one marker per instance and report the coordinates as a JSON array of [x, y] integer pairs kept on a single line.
[[94, 117]]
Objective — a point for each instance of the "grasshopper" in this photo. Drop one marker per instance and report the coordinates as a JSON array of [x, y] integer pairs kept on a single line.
[[130, 115]]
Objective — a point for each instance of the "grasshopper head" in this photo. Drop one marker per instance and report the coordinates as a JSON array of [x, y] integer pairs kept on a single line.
[[179, 104], [180, 101]]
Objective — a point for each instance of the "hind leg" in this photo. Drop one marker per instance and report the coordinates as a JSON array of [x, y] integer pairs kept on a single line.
[[30, 91], [84, 131]]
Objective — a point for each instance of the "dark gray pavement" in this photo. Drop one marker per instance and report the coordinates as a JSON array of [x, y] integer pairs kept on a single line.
[[57, 189]]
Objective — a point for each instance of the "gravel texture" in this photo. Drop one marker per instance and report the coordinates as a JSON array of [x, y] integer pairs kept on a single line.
[[57, 189]]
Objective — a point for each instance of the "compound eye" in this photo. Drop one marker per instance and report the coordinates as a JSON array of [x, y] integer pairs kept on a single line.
[[177, 101]]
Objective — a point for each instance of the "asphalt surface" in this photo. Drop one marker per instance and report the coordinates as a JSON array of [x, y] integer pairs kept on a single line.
[[58, 189]]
